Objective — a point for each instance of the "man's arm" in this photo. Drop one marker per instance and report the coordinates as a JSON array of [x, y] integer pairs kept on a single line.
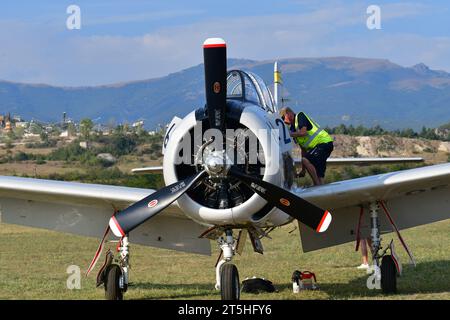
[[299, 133], [301, 174]]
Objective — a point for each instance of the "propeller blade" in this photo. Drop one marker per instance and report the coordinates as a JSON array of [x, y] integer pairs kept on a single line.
[[215, 61], [128, 219], [302, 210]]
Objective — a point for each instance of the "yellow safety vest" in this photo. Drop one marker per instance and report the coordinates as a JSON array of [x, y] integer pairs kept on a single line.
[[314, 136]]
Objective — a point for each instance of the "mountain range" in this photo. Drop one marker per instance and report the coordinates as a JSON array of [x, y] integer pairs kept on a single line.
[[332, 90]]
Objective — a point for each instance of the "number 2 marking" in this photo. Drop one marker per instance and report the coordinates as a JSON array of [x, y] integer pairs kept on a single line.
[[279, 123]]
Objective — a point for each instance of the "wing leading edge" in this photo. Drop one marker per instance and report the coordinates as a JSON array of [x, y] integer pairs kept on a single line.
[[85, 209], [414, 197], [371, 161]]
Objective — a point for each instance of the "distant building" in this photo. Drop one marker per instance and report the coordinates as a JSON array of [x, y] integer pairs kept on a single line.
[[8, 126], [137, 124], [64, 134], [31, 135], [442, 133], [22, 124], [84, 144]]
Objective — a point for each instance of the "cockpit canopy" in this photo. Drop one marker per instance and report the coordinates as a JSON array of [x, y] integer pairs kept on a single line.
[[247, 86]]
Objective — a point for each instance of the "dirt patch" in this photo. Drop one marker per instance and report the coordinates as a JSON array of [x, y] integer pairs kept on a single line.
[[432, 151]]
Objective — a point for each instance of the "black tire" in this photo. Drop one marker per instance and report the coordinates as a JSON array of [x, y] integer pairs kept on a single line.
[[229, 282], [388, 275], [112, 288]]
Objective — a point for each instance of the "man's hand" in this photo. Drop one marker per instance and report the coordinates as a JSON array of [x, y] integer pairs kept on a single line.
[[302, 173], [300, 133]]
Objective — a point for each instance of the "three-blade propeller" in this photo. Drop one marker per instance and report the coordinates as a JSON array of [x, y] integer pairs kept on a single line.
[[215, 84]]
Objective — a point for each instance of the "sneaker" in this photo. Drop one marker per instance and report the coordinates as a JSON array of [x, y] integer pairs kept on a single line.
[[363, 266]]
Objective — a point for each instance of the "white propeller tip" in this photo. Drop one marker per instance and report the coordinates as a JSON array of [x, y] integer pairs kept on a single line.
[[115, 227], [214, 42], [325, 222]]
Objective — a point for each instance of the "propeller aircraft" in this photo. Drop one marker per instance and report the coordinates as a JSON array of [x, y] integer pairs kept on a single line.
[[229, 173]]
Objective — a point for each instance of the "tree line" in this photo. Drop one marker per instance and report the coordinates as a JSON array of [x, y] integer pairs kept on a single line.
[[119, 143]]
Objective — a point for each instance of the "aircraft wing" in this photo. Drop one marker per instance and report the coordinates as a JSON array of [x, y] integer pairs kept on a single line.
[[414, 197], [368, 160], [330, 161], [85, 209], [147, 170]]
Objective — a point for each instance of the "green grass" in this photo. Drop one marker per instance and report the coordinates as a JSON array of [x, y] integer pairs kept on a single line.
[[33, 266]]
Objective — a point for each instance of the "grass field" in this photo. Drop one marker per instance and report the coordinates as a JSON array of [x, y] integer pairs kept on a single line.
[[33, 265]]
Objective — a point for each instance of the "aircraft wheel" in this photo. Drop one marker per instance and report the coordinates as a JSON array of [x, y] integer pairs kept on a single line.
[[112, 286], [229, 282], [388, 275]]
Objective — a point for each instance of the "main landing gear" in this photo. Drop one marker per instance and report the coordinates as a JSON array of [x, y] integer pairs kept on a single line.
[[387, 267], [114, 276]]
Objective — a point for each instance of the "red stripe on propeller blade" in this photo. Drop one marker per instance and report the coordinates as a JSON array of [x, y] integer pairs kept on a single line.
[[325, 215]]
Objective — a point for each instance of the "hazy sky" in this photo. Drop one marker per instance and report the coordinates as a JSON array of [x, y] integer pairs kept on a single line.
[[139, 39]]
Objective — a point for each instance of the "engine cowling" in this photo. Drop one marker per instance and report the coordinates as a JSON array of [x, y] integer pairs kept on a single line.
[[212, 203]]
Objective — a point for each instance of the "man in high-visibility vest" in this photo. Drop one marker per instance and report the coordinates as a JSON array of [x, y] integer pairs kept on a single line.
[[316, 143]]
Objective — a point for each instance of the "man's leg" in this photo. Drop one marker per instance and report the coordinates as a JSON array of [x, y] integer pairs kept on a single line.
[[312, 171], [369, 244], [318, 158], [365, 257]]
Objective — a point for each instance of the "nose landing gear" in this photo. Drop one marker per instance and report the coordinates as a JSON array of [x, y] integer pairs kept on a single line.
[[229, 280], [227, 275]]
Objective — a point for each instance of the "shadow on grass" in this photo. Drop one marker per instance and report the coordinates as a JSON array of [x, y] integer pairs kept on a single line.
[[201, 290], [427, 278]]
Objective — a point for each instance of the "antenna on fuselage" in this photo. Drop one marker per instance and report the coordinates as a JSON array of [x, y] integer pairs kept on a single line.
[[277, 82]]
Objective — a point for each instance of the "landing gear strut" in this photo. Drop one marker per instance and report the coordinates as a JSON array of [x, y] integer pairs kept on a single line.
[[386, 271], [227, 275], [114, 276]]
